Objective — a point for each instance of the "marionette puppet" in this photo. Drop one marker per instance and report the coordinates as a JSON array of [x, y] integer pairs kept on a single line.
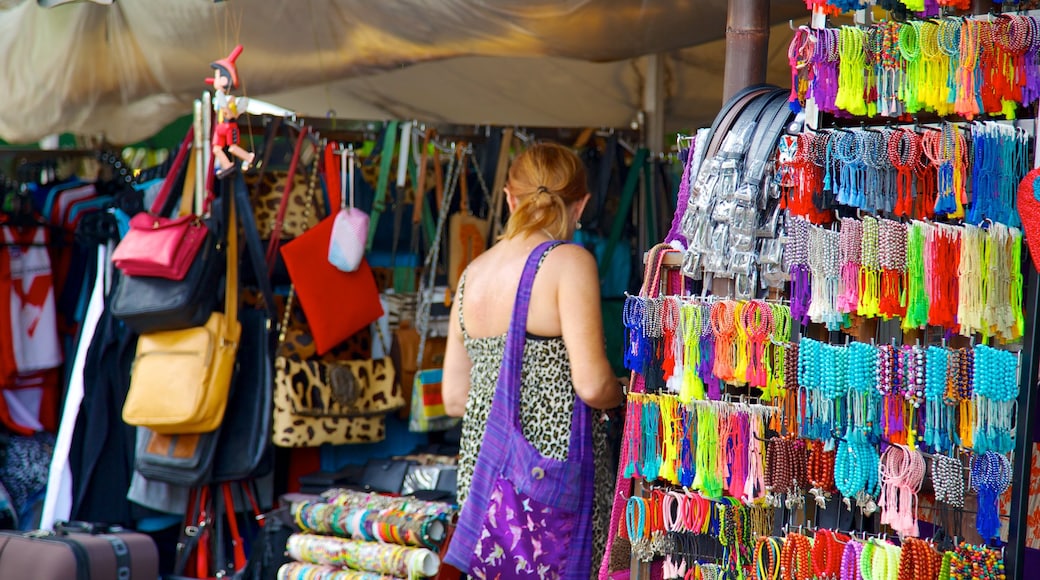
[[226, 132]]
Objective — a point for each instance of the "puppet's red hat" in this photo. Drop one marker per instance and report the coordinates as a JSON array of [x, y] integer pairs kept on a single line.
[[1029, 211], [228, 65]]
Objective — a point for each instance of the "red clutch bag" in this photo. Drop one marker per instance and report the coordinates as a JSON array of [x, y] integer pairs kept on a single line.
[[337, 304]]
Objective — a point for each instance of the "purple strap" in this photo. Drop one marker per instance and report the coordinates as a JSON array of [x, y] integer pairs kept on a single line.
[[504, 453]]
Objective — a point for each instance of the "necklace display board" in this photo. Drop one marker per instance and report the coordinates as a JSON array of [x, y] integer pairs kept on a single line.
[[761, 442]]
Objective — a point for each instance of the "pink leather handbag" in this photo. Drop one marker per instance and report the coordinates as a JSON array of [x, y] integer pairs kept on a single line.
[[162, 247]]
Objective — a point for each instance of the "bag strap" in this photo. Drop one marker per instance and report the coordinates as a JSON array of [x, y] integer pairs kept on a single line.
[[429, 272], [188, 190], [238, 547], [254, 247], [385, 163], [283, 204], [627, 195], [605, 172], [231, 280], [420, 187], [507, 390], [175, 169], [274, 125]]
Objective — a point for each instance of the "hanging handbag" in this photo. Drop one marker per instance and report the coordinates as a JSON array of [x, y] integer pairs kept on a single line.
[[350, 226], [244, 446], [514, 486], [428, 412], [148, 304], [467, 233], [339, 397], [180, 379], [159, 246], [322, 288], [184, 460], [427, 405], [330, 385]]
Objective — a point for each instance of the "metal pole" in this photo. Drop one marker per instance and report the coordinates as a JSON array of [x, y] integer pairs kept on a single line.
[[1029, 375], [747, 45]]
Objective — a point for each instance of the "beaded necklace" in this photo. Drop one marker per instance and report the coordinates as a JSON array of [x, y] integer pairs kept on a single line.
[[970, 298], [870, 283], [796, 261], [671, 433], [707, 479], [937, 427], [754, 485], [775, 358], [999, 252], [724, 327], [671, 322], [995, 387], [851, 77], [910, 51], [651, 438], [634, 435], [850, 561], [942, 261], [901, 473], [795, 558], [916, 292], [948, 480], [850, 250], [965, 104], [892, 238], [990, 477], [692, 322], [825, 283]]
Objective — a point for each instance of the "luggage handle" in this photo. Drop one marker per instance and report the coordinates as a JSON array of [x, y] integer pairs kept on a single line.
[[80, 527]]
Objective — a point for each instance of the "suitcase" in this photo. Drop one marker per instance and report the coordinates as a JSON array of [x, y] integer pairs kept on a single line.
[[78, 552]]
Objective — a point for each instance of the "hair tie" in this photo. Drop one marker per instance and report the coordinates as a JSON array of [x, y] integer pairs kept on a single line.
[[542, 189]]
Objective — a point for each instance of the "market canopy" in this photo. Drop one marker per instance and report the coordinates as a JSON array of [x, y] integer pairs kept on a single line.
[[126, 69]]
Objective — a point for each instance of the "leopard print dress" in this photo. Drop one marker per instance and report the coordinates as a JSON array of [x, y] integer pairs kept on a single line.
[[546, 407]]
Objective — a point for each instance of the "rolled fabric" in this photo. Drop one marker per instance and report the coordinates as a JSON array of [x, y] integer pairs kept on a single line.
[[389, 559], [294, 570]]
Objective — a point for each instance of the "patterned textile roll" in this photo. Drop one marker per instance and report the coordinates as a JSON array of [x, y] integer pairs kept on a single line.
[[298, 570], [389, 559]]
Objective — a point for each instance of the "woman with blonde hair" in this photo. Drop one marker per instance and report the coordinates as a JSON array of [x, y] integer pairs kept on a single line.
[[563, 373]]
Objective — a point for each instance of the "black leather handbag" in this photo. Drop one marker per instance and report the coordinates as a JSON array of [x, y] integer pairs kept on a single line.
[[244, 448], [185, 460], [146, 304]]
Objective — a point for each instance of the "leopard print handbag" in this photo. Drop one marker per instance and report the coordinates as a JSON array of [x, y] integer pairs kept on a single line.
[[340, 397], [265, 192]]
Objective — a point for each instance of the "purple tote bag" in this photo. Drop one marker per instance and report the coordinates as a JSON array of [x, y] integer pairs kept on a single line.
[[527, 516]]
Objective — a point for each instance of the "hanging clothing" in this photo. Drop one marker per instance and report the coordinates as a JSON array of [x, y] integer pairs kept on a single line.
[[57, 505], [546, 408], [34, 329], [103, 446]]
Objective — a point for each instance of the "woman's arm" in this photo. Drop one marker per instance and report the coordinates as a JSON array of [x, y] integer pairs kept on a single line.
[[581, 323], [455, 383]]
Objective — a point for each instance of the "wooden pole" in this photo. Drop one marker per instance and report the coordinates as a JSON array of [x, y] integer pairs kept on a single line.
[[747, 45]]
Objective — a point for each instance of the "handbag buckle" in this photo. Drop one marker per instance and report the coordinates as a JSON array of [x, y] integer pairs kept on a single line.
[[538, 473], [344, 385]]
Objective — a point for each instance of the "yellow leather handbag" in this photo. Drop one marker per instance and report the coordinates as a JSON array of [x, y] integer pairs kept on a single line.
[[180, 379]]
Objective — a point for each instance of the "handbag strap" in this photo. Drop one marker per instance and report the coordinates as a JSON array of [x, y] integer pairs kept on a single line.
[[283, 204], [188, 190], [231, 280], [175, 169], [238, 547], [385, 163], [420, 188], [627, 195], [254, 247], [429, 272], [509, 378], [274, 125]]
